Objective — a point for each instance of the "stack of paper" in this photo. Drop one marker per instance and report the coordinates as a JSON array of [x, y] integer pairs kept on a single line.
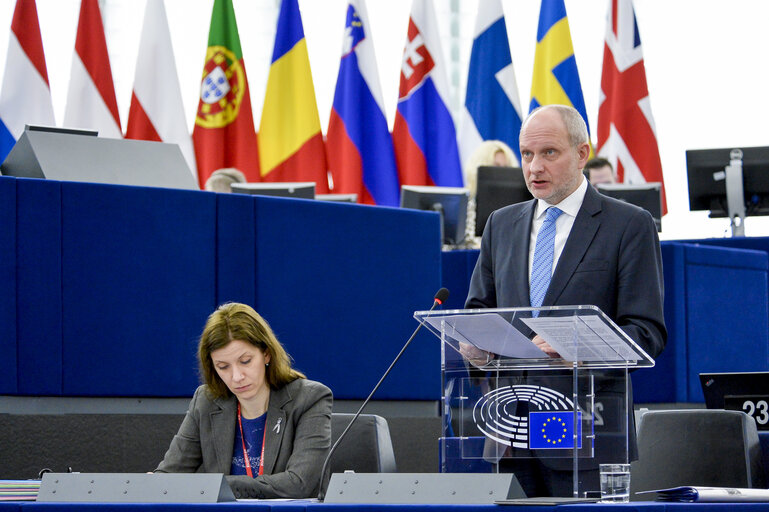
[[711, 494], [19, 490]]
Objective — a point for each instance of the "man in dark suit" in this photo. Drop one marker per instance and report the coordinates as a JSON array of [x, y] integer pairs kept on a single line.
[[604, 253]]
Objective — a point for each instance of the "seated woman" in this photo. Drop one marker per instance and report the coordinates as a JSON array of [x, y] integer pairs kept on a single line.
[[255, 418]]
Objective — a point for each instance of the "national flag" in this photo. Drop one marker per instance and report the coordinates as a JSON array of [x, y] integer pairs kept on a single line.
[[492, 104], [554, 429], [291, 144], [556, 78], [224, 134], [91, 102], [157, 112], [26, 95], [626, 132], [358, 142], [424, 136]]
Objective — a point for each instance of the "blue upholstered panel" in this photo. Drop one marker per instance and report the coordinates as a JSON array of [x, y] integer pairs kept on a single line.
[[727, 312], [340, 283], [457, 269], [8, 362], [235, 249], [666, 382], [38, 282], [139, 282]]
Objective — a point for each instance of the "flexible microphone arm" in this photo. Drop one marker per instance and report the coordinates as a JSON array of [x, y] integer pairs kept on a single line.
[[440, 297]]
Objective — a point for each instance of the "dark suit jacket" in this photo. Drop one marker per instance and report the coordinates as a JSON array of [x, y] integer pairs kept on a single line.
[[297, 441], [611, 260]]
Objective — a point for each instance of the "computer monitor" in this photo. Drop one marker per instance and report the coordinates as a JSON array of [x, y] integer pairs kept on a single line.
[[733, 387], [299, 190], [337, 198], [707, 183], [644, 195], [450, 202], [497, 187]]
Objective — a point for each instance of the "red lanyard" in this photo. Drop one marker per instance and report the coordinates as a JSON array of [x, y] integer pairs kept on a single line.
[[249, 471]]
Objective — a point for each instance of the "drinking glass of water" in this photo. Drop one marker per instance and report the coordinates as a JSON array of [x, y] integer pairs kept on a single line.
[[615, 483]]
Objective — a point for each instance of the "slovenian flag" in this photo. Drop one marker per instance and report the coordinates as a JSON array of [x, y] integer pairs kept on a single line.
[[91, 102], [424, 136], [492, 103], [291, 146], [26, 95], [358, 144], [157, 112]]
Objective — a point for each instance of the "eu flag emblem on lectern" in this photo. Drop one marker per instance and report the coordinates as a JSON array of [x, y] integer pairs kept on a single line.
[[554, 430]]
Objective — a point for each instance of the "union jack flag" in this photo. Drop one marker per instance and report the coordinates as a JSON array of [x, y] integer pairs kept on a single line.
[[626, 132]]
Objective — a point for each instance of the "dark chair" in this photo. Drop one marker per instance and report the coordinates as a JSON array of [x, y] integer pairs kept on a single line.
[[367, 447], [696, 447]]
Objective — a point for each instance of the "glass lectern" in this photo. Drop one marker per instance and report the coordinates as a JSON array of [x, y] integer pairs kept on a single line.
[[507, 405]]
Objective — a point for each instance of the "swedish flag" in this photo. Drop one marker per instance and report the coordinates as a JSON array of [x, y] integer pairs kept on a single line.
[[550, 429], [556, 79]]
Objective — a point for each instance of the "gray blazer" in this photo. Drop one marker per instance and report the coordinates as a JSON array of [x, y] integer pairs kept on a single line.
[[297, 441]]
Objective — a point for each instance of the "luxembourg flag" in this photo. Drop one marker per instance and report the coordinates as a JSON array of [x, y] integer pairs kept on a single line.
[[358, 144], [157, 112], [492, 103], [26, 96], [424, 136], [91, 102]]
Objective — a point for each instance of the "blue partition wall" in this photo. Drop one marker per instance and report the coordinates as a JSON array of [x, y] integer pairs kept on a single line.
[[8, 286], [340, 283], [105, 289]]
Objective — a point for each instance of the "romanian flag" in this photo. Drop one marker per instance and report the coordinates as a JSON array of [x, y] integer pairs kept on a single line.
[[224, 133], [25, 97], [291, 144], [556, 78]]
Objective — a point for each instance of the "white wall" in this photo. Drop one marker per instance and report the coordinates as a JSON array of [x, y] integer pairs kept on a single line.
[[705, 63]]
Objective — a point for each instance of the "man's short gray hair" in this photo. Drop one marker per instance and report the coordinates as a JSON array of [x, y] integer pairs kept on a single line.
[[572, 119]]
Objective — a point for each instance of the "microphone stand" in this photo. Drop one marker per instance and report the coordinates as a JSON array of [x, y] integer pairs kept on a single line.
[[322, 492]]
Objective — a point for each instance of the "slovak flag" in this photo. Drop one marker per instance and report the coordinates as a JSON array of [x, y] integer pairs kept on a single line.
[[359, 148], [626, 132], [424, 136], [91, 102], [26, 96]]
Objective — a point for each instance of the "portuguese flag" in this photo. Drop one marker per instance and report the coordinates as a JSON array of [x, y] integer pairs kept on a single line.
[[224, 134]]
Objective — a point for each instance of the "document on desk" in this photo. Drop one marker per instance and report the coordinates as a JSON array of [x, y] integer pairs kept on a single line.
[[690, 494], [584, 338], [489, 332]]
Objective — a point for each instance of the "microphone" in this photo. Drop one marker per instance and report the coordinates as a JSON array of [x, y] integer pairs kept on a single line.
[[440, 297]]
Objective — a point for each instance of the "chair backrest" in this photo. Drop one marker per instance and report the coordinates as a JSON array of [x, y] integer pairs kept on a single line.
[[697, 447], [367, 447]]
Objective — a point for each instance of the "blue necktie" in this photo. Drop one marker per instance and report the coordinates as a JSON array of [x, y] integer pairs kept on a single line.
[[542, 264]]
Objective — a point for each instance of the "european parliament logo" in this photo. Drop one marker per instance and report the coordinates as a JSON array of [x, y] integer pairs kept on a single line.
[[551, 429]]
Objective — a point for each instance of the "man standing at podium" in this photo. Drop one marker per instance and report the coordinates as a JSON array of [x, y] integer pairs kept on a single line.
[[570, 245]]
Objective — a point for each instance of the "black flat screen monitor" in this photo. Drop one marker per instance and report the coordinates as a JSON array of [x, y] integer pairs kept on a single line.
[[450, 202], [337, 198], [644, 195], [707, 183], [719, 388], [299, 190], [496, 188]]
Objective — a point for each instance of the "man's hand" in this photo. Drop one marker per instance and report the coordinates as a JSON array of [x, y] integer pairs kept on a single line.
[[476, 356], [544, 346]]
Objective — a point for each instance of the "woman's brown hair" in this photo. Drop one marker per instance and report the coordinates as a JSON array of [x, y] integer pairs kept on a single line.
[[235, 321]]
